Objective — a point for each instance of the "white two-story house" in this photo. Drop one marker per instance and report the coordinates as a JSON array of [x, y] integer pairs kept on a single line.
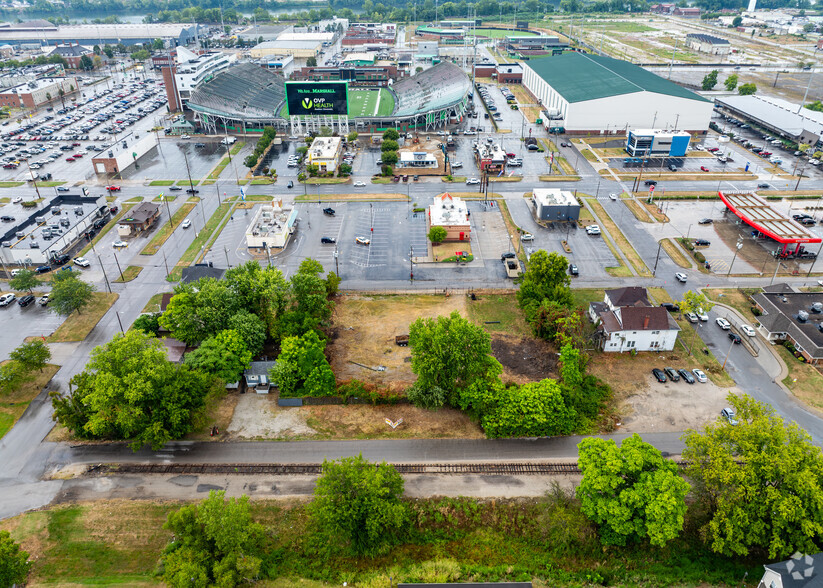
[[626, 321]]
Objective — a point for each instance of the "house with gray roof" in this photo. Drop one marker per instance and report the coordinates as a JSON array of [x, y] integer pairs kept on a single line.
[[796, 317], [583, 93], [801, 571]]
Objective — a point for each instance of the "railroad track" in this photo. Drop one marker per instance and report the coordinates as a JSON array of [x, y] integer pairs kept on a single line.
[[280, 469]]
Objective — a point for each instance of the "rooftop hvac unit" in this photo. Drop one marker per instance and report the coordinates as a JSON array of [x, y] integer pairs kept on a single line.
[[802, 316]]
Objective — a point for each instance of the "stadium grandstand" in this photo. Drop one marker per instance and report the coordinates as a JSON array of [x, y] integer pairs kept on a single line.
[[246, 97]]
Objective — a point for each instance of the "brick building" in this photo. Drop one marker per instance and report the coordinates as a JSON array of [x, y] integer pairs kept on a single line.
[[71, 52]]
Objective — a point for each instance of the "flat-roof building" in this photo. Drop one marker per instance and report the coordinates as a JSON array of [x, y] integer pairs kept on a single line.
[[596, 94], [417, 159], [708, 44], [555, 205], [787, 119], [299, 49], [657, 143], [44, 33], [325, 153], [451, 213], [36, 92], [270, 226], [491, 158]]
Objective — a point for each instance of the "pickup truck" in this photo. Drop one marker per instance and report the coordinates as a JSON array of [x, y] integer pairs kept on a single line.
[[512, 267], [329, 211], [401, 340]]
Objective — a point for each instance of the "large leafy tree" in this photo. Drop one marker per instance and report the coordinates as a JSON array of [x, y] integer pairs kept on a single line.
[[710, 80], [129, 390], [359, 503], [31, 356], [309, 306], [200, 309], [631, 492], [546, 278], [450, 352], [530, 410], [25, 280], [262, 291], [302, 369], [215, 543], [14, 562], [761, 482], [251, 328], [69, 294], [224, 355]]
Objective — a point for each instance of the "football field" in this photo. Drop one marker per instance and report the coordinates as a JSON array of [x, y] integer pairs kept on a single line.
[[378, 102]]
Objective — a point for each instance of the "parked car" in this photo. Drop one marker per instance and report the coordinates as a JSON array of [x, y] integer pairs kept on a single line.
[[472, 181], [681, 277], [672, 373], [26, 300], [118, 244], [728, 414], [722, 323], [186, 224], [362, 240], [329, 211], [527, 237], [659, 374], [705, 221], [113, 188], [507, 255], [592, 230], [359, 184], [701, 243], [44, 300], [573, 270], [327, 240], [735, 338], [691, 317], [700, 376], [702, 315], [81, 261], [686, 375], [7, 299], [748, 330], [43, 269], [670, 306]]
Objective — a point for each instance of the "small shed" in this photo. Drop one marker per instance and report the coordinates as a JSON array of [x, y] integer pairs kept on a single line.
[[257, 376]]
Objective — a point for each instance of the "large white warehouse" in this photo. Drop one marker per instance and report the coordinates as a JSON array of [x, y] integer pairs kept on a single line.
[[592, 94]]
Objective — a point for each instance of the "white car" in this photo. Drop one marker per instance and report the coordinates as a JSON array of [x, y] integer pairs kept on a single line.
[[457, 164], [471, 181], [81, 261], [17, 200], [7, 299], [593, 230], [613, 196], [185, 137], [691, 317], [681, 277], [527, 237], [359, 184], [702, 315], [118, 244], [722, 323], [700, 376], [186, 224], [747, 329]]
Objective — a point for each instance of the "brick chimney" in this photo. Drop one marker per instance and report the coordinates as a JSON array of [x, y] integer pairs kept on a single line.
[[646, 322]]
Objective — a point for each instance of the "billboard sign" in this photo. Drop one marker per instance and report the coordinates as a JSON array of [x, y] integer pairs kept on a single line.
[[317, 98]]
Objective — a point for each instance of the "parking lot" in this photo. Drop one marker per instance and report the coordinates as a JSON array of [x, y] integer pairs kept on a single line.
[[21, 322]]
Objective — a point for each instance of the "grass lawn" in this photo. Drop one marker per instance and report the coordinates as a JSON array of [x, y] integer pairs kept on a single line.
[[162, 183], [77, 326], [111, 224], [315, 181], [129, 273], [11, 184], [262, 182], [202, 238], [381, 180], [584, 296], [619, 238], [14, 403], [347, 197], [237, 147], [673, 251], [498, 312], [494, 179], [49, 184], [169, 197], [805, 381], [153, 305], [499, 34], [454, 179], [163, 233], [638, 211], [738, 299], [558, 178]]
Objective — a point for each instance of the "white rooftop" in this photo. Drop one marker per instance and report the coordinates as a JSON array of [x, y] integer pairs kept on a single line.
[[322, 37], [324, 147], [554, 197], [781, 114], [448, 210]]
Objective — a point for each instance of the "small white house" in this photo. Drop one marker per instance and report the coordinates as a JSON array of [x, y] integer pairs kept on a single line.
[[626, 321]]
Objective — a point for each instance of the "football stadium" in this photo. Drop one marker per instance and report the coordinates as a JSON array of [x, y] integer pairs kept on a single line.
[[246, 98]]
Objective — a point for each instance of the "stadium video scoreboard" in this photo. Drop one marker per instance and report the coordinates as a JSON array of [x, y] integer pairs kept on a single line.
[[317, 98]]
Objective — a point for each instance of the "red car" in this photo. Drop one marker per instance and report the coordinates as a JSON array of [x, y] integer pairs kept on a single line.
[[77, 155], [703, 168], [113, 188], [713, 149], [765, 154], [70, 159], [75, 144]]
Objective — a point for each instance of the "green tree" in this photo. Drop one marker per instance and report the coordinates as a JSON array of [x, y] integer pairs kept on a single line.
[[546, 278], [309, 306], [25, 280], [86, 62], [391, 135], [710, 80], [389, 145], [431, 397], [200, 309], [311, 62], [737, 21], [215, 543], [632, 493], [817, 106], [149, 323], [223, 355], [531, 410], [32, 356], [747, 89], [390, 158], [69, 294], [450, 352], [571, 366], [359, 503], [252, 330], [129, 390], [158, 44], [14, 562], [262, 291], [96, 50], [761, 482], [731, 82], [12, 376], [108, 51], [437, 234], [351, 137], [302, 369]]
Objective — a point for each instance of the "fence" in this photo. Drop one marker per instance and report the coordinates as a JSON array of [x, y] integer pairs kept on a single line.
[[330, 400]]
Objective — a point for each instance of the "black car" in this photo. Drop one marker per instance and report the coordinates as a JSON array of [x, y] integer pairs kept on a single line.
[[735, 337], [705, 221], [7, 219], [175, 188], [192, 191], [573, 270], [61, 259], [290, 184], [658, 373], [764, 186], [327, 240], [686, 375], [672, 373], [329, 211], [702, 243], [25, 300], [807, 221], [670, 306], [507, 255], [43, 269], [650, 182]]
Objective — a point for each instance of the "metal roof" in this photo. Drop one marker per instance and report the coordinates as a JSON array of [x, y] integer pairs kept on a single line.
[[758, 214], [779, 114], [579, 77]]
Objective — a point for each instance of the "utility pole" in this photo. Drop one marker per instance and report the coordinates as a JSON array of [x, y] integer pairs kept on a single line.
[[122, 279], [36, 189], [188, 172]]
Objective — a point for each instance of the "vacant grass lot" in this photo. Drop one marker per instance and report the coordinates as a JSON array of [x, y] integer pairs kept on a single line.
[[14, 404], [496, 311], [78, 325], [163, 233]]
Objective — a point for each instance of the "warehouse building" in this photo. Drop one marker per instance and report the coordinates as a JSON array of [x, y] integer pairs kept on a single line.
[[42, 33], [36, 92], [708, 44], [301, 49], [584, 94], [781, 117], [555, 205]]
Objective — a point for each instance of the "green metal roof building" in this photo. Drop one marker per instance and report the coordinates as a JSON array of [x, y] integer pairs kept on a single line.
[[593, 94]]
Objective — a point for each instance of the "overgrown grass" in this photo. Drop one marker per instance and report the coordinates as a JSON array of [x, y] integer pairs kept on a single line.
[[453, 179], [162, 183], [78, 325], [164, 232], [202, 238], [14, 403], [673, 251], [805, 381], [237, 147], [129, 274], [584, 296], [498, 312], [49, 183], [153, 305]]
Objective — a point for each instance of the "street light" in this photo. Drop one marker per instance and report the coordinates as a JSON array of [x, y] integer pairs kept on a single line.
[[739, 246], [727, 354]]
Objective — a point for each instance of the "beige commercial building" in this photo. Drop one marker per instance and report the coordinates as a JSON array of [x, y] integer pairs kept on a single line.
[[299, 49], [325, 153]]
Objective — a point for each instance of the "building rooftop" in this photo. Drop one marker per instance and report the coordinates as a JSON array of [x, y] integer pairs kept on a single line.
[[448, 210], [321, 37], [787, 116], [285, 44], [707, 39], [629, 296], [789, 305], [324, 147], [554, 197], [33, 85], [578, 77], [140, 213]]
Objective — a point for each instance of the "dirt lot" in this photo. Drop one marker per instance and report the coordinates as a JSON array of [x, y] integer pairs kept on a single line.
[[524, 359]]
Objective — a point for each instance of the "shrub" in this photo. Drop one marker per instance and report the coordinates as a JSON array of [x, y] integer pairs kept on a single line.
[[430, 398], [28, 204], [699, 257]]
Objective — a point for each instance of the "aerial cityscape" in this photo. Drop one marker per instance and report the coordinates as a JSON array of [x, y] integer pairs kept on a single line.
[[385, 294]]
